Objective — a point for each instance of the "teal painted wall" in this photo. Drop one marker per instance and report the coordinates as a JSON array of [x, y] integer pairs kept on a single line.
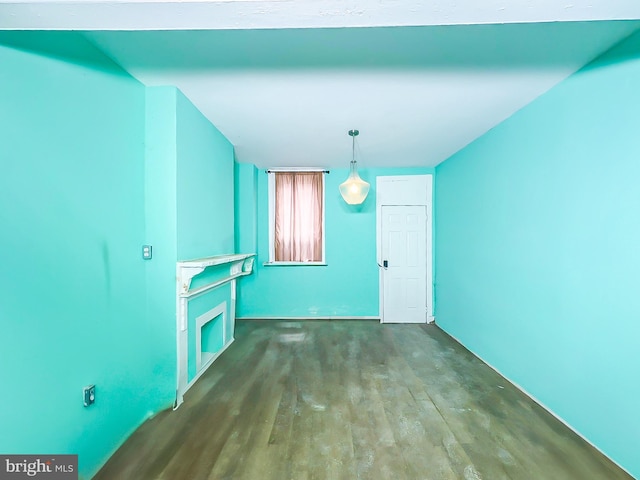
[[347, 286], [160, 222], [190, 197], [246, 204], [205, 185], [94, 166], [205, 199], [72, 209], [246, 214], [537, 250]]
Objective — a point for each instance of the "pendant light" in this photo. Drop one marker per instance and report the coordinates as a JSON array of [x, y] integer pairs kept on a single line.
[[354, 190]]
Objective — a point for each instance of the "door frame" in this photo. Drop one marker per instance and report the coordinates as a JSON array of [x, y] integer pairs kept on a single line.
[[405, 190]]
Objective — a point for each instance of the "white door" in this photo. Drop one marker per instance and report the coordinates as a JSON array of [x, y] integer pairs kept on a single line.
[[404, 264]]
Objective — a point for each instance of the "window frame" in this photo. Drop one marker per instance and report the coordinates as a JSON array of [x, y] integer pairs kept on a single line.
[[271, 186]]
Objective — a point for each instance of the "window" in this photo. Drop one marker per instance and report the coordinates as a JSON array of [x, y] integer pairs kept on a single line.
[[296, 217]]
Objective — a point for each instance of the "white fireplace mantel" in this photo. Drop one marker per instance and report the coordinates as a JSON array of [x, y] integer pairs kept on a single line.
[[237, 265]]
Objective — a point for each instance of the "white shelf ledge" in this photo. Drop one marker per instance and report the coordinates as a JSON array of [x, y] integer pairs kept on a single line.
[[239, 264], [215, 260]]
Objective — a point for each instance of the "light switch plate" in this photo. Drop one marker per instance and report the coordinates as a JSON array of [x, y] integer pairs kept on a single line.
[[89, 395]]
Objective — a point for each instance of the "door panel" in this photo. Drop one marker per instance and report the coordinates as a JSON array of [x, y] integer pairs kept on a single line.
[[404, 281]]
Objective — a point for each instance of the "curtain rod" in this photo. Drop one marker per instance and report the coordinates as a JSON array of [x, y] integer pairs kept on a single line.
[[311, 170]]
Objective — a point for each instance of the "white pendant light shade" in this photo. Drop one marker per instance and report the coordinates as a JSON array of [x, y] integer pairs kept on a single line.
[[354, 190]]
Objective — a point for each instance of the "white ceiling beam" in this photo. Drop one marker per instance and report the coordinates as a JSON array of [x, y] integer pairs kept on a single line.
[[273, 14]]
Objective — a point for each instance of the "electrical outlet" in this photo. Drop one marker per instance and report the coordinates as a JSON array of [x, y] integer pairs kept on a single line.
[[89, 395], [147, 252]]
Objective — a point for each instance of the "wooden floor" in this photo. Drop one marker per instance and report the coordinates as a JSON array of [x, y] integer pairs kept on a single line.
[[353, 400]]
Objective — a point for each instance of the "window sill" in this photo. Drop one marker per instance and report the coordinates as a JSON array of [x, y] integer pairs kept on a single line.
[[294, 264]]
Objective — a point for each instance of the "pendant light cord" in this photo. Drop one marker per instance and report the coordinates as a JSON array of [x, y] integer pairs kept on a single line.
[[352, 168], [353, 149]]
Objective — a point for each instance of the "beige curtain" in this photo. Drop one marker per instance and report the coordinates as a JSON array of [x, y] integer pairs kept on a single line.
[[298, 222]]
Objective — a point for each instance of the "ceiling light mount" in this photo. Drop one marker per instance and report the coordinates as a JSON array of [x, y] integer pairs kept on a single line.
[[354, 190]]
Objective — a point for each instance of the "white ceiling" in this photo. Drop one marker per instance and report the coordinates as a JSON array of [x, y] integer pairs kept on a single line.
[[420, 82]]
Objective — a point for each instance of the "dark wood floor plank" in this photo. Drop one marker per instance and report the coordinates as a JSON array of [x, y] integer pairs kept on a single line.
[[327, 400]]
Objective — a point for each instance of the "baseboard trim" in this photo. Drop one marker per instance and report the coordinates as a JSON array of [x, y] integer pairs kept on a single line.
[[532, 397], [311, 318]]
